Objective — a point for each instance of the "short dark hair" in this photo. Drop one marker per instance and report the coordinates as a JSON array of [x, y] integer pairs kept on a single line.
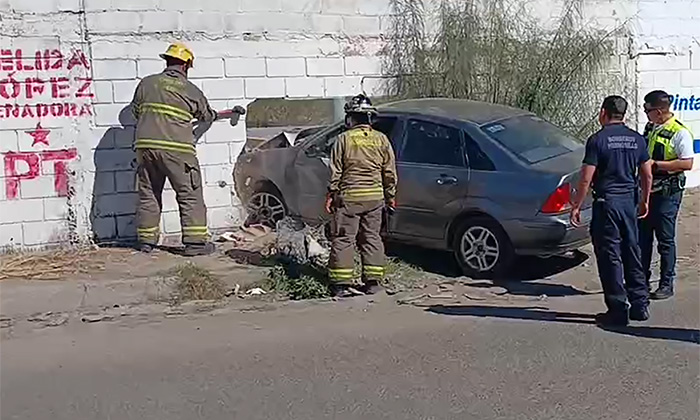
[[172, 61], [615, 107], [658, 99], [360, 118]]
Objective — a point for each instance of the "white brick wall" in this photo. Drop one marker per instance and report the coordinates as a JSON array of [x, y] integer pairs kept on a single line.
[[245, 49], [245, 67], [304, 87], [670, 59], [286, 67], [325, 66]]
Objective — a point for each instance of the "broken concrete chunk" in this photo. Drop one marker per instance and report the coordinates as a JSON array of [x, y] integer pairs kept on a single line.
[[93, 318]]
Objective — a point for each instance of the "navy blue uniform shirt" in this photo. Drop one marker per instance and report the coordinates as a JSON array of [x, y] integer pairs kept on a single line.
[[617, 152]]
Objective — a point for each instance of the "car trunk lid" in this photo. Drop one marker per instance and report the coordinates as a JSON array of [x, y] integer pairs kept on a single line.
[[565, 171]]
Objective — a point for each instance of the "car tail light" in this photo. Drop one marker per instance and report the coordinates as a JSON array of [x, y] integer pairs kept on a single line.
[[559, 201]]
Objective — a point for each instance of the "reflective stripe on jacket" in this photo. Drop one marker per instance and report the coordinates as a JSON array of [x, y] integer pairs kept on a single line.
[[164, 106], [363, 166]]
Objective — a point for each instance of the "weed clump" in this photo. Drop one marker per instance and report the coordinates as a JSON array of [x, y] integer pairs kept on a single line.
[[195, 283], [298, 283]]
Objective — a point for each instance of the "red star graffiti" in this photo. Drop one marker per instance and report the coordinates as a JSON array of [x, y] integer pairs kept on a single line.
[[40, 135]]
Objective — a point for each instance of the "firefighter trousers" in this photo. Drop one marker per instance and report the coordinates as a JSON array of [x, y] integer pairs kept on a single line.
[[183, 172], [357, 223]]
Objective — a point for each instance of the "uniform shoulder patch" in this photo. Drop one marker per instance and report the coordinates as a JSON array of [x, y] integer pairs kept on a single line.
[[666, 134]]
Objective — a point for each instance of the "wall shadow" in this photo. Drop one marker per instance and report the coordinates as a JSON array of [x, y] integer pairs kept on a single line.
[[535, 313], [113, 195]]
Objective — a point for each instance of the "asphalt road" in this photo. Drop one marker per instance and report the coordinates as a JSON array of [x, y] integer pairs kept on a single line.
[[362, 360]]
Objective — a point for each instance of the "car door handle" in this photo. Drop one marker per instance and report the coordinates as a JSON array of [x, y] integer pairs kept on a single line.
[[446, 180]]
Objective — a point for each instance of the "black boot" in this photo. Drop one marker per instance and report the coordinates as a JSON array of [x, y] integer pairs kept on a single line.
[[613, 319], [145, 248], [663, 292], [344, 291], [196, 250], [371, 287], [639, 313]]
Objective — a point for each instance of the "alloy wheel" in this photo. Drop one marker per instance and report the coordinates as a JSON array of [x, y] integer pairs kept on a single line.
[[480, 249]]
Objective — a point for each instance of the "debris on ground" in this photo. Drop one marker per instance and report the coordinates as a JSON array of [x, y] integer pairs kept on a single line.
[[6, 322], [49, 319], [245, 234], [234, 291], [196, 283], [253, 245], [257, 291], [94, 318], [302, 244], [49, 265]]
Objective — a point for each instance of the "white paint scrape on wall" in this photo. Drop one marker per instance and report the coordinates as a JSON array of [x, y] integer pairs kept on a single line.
[[68, 69]]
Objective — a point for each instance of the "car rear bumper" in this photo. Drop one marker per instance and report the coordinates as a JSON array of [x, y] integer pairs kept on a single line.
[[546, 236]]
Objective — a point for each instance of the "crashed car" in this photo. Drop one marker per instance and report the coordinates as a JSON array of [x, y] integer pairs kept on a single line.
[[484, 181]]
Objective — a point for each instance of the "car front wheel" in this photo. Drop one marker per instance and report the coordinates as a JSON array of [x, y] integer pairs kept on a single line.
[[482, 249], [266, 207]]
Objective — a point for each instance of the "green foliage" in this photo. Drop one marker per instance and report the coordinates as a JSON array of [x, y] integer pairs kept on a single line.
[[298, 285], [494, 51]]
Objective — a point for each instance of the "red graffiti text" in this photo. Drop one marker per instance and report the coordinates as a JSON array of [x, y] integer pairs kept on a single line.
[[44, 60], [33, 160], [45, 83]]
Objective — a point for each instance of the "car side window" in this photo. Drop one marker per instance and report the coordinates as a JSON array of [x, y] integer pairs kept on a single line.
[[478, 160], [386, 125], [433, 144], [322, 146]]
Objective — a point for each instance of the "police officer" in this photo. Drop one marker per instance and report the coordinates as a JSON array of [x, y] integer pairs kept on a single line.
[[363, 180], [164, 106], [614, 157], [670, 145]]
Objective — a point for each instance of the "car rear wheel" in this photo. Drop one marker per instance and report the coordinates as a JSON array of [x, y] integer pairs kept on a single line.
[[482, 248], [266, 207]]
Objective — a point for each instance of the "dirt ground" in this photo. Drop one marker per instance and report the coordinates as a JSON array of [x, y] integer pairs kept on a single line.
[[117, 283]]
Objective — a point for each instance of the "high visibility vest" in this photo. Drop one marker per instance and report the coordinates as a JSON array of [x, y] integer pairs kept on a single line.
[[661, 149], [659, 140]]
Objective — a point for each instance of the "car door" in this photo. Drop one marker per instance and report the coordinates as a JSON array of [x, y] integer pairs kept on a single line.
[[311, 170], [310, 173], [433, 179]]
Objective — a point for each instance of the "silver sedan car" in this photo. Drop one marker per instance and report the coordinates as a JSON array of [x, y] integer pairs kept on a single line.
[[486, 182]]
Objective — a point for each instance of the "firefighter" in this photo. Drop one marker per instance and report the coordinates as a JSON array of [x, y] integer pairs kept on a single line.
[[164, 106], [616, 162], [363, 182], [670, 145]]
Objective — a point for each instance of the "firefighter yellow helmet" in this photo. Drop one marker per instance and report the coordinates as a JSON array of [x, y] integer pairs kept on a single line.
[[179, 51]]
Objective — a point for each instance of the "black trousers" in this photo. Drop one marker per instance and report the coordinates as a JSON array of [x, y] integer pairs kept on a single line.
[[616, 242]]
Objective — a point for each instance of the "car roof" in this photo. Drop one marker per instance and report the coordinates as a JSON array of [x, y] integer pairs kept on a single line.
[[476, 112]]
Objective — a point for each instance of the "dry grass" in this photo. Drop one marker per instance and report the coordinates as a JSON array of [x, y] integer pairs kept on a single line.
[[51, 265], [195, 283], [401, 275]]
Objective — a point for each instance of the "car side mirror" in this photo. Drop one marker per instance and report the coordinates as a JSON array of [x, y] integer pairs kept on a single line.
[[313, 151]]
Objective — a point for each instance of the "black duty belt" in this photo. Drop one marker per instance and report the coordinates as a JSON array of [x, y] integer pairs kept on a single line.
[[668, 185]]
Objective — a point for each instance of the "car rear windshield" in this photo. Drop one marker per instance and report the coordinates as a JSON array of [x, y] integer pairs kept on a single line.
[[531, 138]]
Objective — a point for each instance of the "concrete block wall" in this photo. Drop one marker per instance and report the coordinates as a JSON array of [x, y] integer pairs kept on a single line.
[[68, 69], [667, 50]]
